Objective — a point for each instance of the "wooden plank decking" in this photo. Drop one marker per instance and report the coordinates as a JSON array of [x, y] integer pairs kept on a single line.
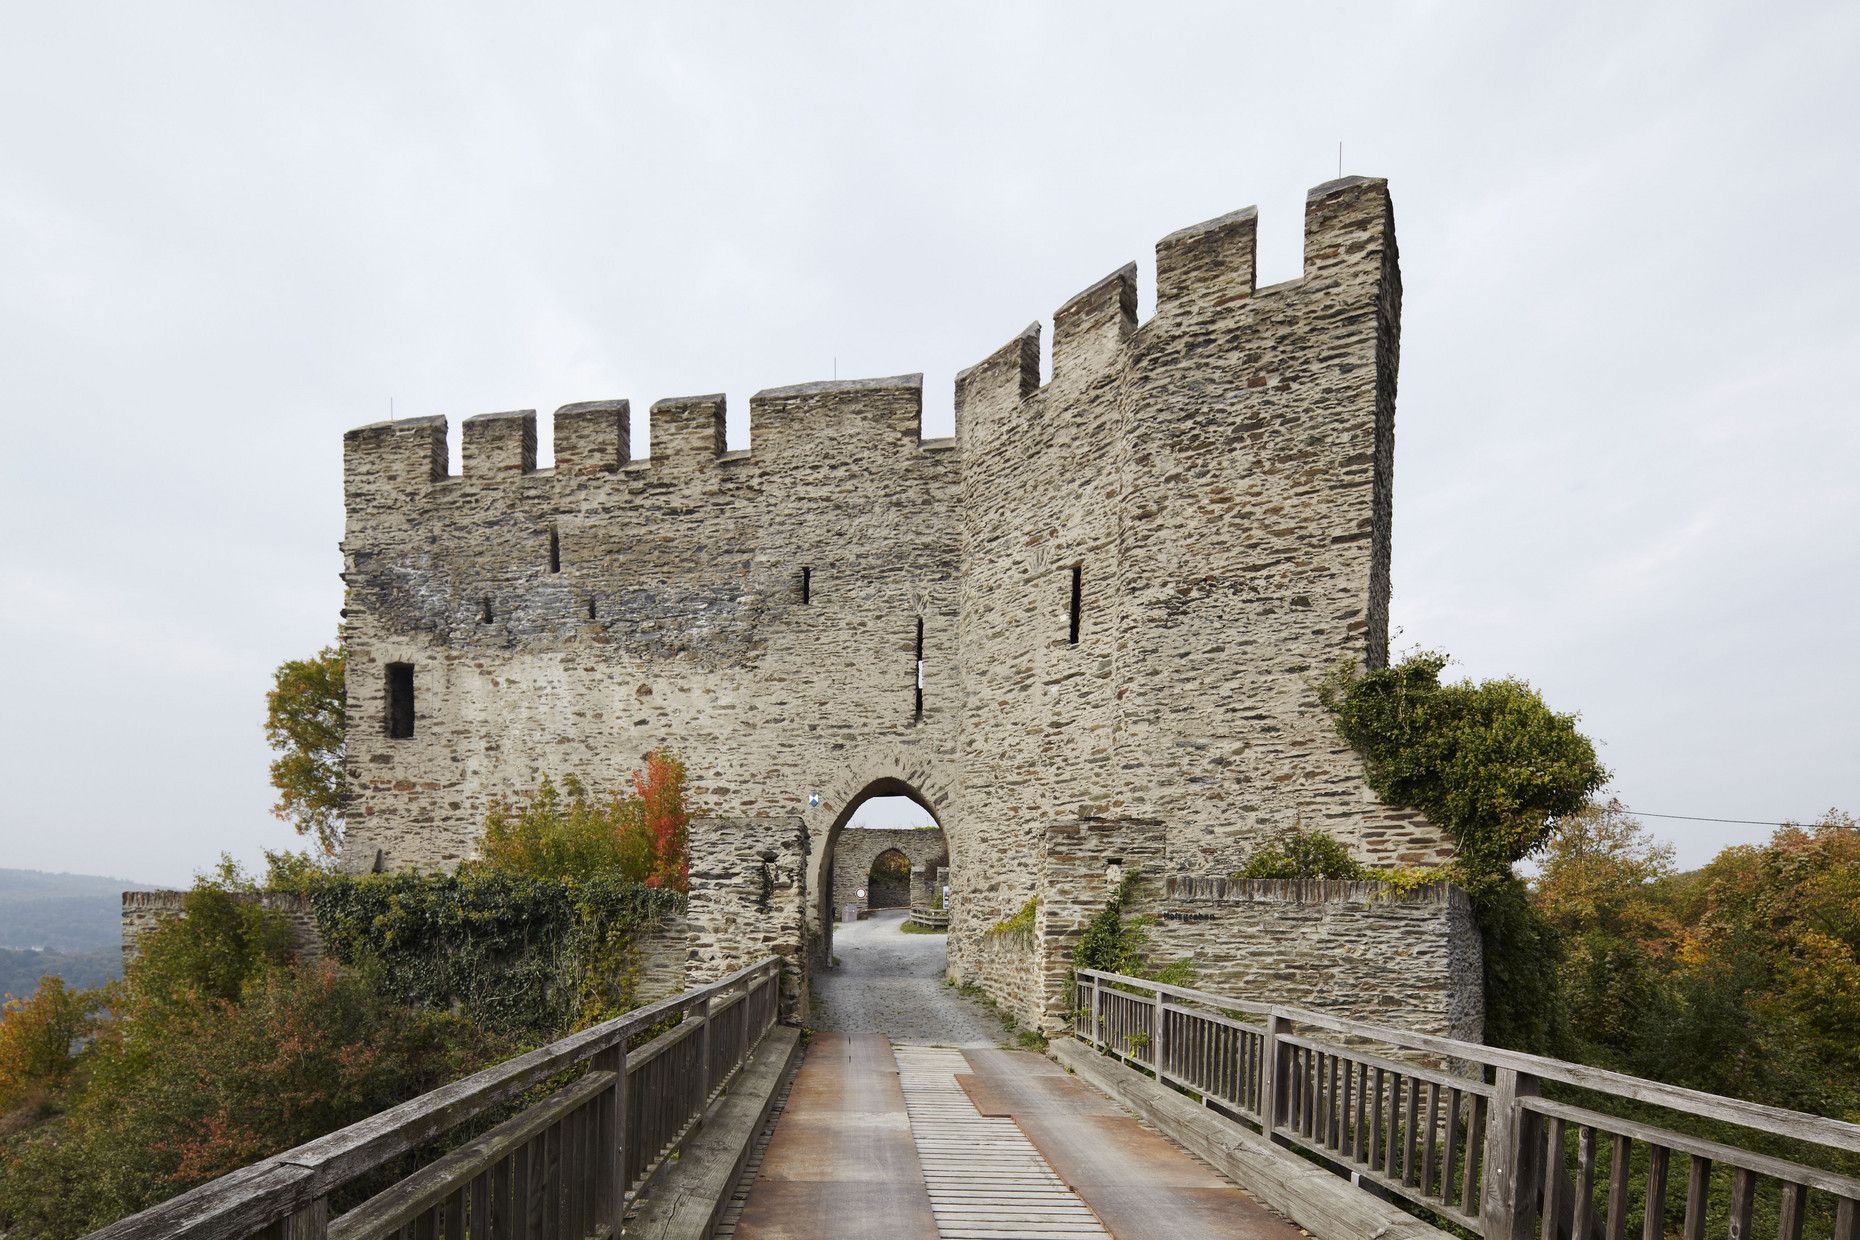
[[986, 1180], [884, 1143]]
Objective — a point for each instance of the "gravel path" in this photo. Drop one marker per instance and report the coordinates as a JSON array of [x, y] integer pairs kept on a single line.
[[890, 982]]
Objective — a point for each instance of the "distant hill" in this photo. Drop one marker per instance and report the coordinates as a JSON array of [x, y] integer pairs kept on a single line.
[[20, 971], [62, 912]]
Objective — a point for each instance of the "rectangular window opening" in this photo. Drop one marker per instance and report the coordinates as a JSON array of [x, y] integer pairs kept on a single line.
[[590, 609], [555, 550], [400, 699], [807, 585], [1077, 596], [487, 610], [920, 668]]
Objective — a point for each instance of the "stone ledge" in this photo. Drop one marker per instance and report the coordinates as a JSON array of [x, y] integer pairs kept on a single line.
[[691, 1194], [1309, 891], [1323, 1204]]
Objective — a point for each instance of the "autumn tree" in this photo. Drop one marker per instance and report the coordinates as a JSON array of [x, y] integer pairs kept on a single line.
[[1788, 914], [665, 819], [1607, 886], [642, 833], [305, 720]]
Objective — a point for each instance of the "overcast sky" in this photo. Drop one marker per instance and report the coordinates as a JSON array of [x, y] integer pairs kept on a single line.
[[1626, 429]]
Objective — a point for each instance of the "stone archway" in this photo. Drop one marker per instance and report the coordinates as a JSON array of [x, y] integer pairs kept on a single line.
[[888, 882], [889, 772]]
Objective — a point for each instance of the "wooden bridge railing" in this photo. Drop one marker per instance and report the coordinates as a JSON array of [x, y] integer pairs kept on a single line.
[[1470, 1138], [562, 1169]]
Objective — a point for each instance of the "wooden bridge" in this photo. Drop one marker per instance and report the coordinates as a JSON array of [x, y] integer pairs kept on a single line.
[[658, 1124]]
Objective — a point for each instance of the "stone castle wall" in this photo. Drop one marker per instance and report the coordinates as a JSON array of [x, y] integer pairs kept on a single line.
[[143, 911], [1212, 486]]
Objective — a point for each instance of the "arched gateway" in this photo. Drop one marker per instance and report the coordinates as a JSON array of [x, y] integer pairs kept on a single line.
[[1084, 633]]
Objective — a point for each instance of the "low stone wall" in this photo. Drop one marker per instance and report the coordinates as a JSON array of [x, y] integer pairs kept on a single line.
[[1006, 966], [1358, 949], [145, 910]]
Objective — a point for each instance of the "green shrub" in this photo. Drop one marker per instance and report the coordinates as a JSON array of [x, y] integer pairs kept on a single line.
[[1113, 943], [641, 834], [1490, 763], [219, 941], [1023, 920], [1303, 854]]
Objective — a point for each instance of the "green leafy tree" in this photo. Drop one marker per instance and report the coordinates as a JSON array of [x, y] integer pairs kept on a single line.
[[305, 720], [1493, 766]]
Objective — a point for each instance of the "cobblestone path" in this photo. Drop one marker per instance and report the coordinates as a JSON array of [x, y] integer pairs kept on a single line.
[[890, 982]]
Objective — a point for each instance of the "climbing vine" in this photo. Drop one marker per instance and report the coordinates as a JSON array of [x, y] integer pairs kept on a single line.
[[518, 954], [1114, 943]]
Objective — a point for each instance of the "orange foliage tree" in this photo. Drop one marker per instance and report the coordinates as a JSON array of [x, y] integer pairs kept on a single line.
[[665, 819]]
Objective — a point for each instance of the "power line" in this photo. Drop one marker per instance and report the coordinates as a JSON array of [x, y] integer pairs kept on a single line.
[[1746, 822]]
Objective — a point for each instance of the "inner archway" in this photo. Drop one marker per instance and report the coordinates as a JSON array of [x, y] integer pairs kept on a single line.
[[888, 882]]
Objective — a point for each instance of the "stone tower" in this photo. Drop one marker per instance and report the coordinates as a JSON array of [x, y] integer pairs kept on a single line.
[[1084, 633]]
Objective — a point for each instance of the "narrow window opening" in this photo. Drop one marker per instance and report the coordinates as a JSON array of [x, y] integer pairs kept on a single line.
[[487, 611], [807, 585], [1077, 595], [920, 668], [590, 609], [555, 550], [400, 699]]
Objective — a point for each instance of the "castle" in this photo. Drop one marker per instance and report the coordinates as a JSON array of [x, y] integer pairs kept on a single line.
[[1084, 633]]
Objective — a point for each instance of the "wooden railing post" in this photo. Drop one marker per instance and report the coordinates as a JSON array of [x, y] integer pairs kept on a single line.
[[1514, 1149], [610, 1142], [704, 1049], [1097, 1012], [309, 1223], [1156, 1043], [1275, 1074]]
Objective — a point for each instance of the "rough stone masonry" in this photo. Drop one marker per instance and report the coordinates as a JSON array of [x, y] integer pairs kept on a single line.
[[1094, 619]]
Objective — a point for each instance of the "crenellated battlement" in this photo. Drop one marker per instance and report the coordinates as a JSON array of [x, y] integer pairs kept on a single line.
[[1204, 273]]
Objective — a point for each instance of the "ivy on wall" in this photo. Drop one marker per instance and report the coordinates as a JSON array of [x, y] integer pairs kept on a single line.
[[517, 954], [1115, 943]]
